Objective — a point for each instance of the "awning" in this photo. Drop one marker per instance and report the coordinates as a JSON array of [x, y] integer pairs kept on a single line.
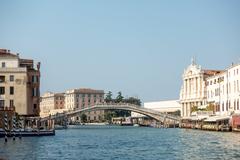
[[202, 107], [216, 118], [186, 118], [199, 118]]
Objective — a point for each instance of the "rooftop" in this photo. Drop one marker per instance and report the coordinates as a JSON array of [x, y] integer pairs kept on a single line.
[[7, 53]]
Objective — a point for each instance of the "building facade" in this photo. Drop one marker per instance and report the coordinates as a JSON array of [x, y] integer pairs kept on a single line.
[[19, 84], [169, 106], [52, 102], [193, 90], [223, 91], [83, 98]]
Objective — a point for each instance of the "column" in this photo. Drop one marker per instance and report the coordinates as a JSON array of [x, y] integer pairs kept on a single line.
[[189, 87], [193, 87], [188, 110], [186, 90], [182, 112], [199, 85], [196, 90]]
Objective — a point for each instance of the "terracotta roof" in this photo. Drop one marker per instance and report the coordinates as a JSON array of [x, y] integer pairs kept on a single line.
[[7, 53], [212, 72], [87, 91]]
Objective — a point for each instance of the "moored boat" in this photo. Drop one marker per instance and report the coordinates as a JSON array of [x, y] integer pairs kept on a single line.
[[29, 133]]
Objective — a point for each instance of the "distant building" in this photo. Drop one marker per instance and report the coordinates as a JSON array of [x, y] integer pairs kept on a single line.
[[84, 98], [223, 91], [52, 103], [19, 84], [169, 106], [193, 90]]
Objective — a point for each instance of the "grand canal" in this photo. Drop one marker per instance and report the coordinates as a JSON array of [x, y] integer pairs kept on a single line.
[[131, 143]]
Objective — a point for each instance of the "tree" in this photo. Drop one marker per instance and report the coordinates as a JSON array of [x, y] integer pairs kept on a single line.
[[210, 107], [133, 100], [108, 97], [177, 113], [194, 109], [108, 115], [119, 97], [122, 113], [83, 118]]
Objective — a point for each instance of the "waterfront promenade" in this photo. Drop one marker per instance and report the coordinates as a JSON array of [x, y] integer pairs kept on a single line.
[[115, 142]]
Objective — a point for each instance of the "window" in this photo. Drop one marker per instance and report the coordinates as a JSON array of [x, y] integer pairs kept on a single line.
[[11, 90], [238, 104], [234, 104], [34, 106], [34, 92], [234, 85], [11, 78], [11, 103], [37, 79], [1, 103], [2, 90], [3, 64], [237, 85], [2, 79]]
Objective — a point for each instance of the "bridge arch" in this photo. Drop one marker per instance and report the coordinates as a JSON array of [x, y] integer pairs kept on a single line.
[[158, 116]]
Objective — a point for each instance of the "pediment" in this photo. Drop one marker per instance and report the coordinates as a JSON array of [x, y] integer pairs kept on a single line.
[[192, 70]]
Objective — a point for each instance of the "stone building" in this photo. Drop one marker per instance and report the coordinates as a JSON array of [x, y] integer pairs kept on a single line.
[[193, 90], [83, 98], [223, 91], [19, 84], [51, 103]]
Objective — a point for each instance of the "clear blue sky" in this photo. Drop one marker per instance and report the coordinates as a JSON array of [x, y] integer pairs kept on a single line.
[[138, 47]]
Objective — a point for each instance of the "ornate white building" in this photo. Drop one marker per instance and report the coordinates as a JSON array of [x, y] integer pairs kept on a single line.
[[193, 90]]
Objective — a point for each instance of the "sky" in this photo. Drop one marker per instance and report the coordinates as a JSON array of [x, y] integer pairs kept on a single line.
[[138, 47]]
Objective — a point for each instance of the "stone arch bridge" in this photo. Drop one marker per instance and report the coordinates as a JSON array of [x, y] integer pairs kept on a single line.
[[158, 116]]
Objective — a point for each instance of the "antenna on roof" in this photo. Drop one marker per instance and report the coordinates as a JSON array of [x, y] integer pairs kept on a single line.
[[193, 60]]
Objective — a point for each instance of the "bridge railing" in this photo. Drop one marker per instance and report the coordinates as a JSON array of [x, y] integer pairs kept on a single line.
[[167, 115], [117, 105]]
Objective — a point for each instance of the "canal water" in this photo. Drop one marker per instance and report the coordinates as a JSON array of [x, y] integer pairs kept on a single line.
[[127, 143]]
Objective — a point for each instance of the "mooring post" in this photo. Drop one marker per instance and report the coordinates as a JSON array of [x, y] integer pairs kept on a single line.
[[6, 126], [20, 127], [14, 126]]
